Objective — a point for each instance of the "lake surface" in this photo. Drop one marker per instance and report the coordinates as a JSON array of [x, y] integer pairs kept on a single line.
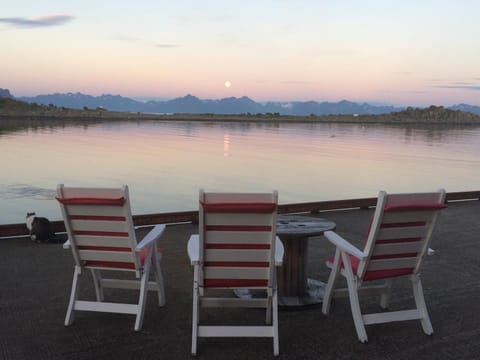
[[166, 163]]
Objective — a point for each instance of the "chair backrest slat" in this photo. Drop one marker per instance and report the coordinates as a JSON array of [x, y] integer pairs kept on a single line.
[[244, 237], [106, 256], [400, 233], [406, 247], [407, 216], [100, 226], [237, 255], [392, 263], [106, 241], [225, 275], [95, 210], [237, 239]]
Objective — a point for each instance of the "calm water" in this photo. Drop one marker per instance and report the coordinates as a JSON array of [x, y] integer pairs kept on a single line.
[[165, 163]]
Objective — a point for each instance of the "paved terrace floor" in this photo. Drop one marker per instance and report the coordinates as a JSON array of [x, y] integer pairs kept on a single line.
[[36, 280]]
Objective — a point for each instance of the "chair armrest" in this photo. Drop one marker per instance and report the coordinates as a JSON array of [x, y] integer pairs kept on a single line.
[[343, 244], [152, 236], [193, 249], [66, 244], [279, 250]]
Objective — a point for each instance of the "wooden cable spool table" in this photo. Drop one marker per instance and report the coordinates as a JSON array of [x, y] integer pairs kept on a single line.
[[294, 288]]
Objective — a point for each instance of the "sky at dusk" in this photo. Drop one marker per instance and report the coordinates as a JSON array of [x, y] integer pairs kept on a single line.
[[411, 52]]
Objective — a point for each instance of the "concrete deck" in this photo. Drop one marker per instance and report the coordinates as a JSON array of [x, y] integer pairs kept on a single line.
[[36, 281]]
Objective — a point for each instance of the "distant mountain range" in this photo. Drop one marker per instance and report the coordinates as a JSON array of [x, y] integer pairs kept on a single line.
[[467, 108], [190, 104]]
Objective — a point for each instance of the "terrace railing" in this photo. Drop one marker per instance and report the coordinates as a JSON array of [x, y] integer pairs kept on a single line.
[[17, 230]]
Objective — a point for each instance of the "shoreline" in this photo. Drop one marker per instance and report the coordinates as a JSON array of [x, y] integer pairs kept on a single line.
[[385, 119], [17, 110]]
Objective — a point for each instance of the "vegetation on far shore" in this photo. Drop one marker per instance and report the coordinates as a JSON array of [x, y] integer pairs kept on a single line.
[[10, 108]]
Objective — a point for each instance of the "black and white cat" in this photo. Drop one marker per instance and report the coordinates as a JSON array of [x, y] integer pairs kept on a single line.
[[40, 228]]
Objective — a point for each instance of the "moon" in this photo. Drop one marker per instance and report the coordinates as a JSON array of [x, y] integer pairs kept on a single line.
[[227, 84]]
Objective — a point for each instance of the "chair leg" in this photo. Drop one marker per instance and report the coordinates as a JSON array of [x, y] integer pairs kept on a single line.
[[276, 349], [353, 285], [195, 309], [73, 297], [268, 312], [97, 282], [421, 305], [143, 296], [356, 311], [330, 287], [385, 296], [159, 280], [195, 320]]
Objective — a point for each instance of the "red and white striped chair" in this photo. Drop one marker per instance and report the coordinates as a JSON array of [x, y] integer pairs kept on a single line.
[[237, 249], [102, 238], [396, 244]]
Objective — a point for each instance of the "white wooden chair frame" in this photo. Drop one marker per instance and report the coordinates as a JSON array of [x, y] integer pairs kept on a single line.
[[411, 208], [84, 215], [199, 257]]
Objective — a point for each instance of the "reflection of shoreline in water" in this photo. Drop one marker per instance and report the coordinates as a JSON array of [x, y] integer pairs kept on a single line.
[[12, 125], [190, 121], [19, 191]]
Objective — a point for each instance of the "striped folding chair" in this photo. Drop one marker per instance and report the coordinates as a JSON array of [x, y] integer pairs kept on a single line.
[[236, 249], [102, 238], [396, 244]]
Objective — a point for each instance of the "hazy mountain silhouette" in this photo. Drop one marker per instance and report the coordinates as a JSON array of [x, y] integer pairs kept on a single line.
[[190, 104], [467, 108], [5, 93]]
